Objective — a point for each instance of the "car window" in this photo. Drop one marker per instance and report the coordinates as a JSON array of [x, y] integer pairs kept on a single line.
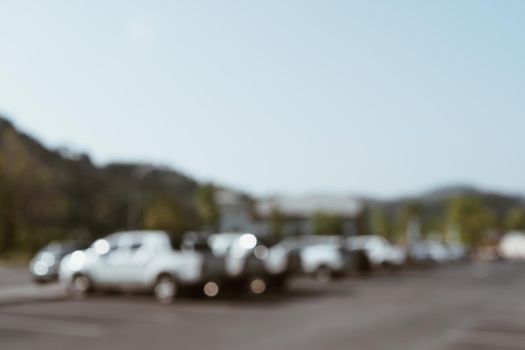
[[120, 242], [220, 244], [357, 242], [136, 245]]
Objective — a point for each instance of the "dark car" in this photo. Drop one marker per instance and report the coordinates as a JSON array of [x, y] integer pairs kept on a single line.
[[44, 265], [324, 257], [239, 261]]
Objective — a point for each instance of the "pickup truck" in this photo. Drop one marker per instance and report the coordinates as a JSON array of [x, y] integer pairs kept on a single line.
[[132, 261]]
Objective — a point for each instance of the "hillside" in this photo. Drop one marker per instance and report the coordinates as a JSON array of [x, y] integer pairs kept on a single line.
[[46, 194], [54, 194]]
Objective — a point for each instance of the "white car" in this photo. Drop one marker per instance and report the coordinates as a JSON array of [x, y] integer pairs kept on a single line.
[[456, 251], [428, 251], [512, 246], [378, 250], [321, 256], [132, 260]]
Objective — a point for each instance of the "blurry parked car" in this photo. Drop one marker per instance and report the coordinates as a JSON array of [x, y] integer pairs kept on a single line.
[[133, 260], [457, 252], [379, 251], [512, 246], [427, 251], [248, 262], [323, 257], [44, 265]]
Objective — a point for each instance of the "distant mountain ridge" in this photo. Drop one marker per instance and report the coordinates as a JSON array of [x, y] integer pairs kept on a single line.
[[449, 192], [47, 194]]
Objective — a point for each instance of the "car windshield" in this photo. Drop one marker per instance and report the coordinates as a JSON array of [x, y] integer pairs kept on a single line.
[[61, 247], [220, 243]]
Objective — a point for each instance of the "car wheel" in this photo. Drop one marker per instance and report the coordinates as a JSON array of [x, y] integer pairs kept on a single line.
[[211, 289], [165, 289], [257, 285], [80, 286], [323, 274]]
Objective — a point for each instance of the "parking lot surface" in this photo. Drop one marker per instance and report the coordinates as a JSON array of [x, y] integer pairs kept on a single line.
[[467, 306]]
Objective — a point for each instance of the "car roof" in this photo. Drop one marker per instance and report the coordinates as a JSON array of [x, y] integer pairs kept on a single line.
[[137, 233]]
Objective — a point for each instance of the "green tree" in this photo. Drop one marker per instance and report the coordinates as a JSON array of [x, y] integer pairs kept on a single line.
[[472, 218], [207, 207], [327, 224], [8, 227], [380, 223], [362, 221], [409, 214], [277, 223], [515, 219], [166, 213]]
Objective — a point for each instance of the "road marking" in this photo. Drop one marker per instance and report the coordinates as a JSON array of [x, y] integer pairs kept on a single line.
[[486, 338], [39, 325]]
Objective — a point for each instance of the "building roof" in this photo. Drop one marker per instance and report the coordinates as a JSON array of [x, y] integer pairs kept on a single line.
[[305, 206]]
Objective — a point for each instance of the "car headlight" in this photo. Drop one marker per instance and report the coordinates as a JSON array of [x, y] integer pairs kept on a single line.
[[40, 268], [77, 260], [101, 246], [48, 259], [248, 241]]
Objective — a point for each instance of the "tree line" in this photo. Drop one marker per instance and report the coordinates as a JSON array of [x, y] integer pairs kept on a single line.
[[472, 219], [53, 195]]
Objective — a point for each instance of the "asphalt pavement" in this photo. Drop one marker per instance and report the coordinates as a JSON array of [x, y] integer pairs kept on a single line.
[[467, 306]]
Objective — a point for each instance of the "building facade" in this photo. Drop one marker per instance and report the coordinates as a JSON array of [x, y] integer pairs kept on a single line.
[[240, 213]]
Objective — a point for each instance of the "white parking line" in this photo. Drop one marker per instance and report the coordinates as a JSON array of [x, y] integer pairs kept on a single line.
[[486, 338], [38, 325]]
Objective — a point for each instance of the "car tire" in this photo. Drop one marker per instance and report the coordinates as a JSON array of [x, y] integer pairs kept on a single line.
[[80, 286], [165, 289], [257, 285], [211, 289]]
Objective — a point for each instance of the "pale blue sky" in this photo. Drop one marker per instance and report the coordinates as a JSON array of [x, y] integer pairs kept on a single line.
[[374, 97]]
